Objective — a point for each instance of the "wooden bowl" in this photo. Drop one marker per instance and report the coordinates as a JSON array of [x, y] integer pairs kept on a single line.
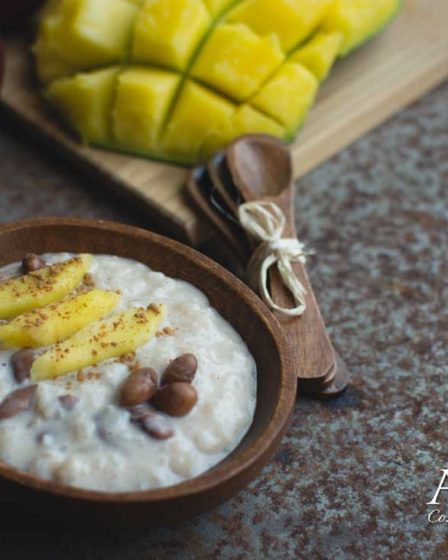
[[236, 303]]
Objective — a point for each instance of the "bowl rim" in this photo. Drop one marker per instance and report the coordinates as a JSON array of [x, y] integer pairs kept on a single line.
[[229, 468]]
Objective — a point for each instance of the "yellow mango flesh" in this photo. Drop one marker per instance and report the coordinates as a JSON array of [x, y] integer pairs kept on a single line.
[[167, 31], [288, 95], [88, 33], [290, 20], [170, 79], [55, 322], [245, 120], [199, 113], [41, 287], [319, 54], [236, 61], [216, 7], [358, 20], [143, 97], [49, 64], [85, 102], [108, 338]]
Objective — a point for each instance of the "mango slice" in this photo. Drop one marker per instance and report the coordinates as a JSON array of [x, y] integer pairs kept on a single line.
[[88, 33], [101, 340], [288, 95], [290, 20], [319, 53], [85, 102], [167, 31], [55, 322], [41, 287], [199, 113], [230, 60], [358, 20], [143, 97]]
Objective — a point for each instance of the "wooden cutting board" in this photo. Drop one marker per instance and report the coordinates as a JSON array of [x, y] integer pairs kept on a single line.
[[399, 66]]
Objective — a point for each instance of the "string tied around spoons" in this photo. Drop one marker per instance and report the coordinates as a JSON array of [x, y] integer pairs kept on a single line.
[[265, 222]]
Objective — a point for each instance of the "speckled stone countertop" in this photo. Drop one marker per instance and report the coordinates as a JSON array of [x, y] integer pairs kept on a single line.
[[352, 477]]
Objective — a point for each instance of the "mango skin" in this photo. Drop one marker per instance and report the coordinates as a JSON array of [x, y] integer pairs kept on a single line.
[[102, 63], [359, 20]]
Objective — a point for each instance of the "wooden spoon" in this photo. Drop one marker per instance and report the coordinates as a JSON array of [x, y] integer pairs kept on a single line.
[[261, 169], [215, 208]]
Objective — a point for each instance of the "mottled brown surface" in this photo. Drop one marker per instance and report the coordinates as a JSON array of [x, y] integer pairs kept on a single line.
[[352, 477]]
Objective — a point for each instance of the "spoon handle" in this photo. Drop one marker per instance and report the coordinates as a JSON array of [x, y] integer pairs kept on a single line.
[[307, 337]]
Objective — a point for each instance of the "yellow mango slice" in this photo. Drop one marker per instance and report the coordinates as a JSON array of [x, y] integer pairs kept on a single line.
[[85, 102], [236, 61], [358, 20], [198, 114], [291, 20], [288, 95], [42, 287], [55, 322], [319, 53], [101, 340], [245, 120], [216, 7], [168, 31], [142, 100], [87, 33]]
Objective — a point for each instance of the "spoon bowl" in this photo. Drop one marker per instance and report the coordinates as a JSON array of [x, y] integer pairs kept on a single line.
[[261, 166]]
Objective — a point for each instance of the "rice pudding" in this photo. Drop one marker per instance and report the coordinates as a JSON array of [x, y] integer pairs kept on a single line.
[[165, 395]]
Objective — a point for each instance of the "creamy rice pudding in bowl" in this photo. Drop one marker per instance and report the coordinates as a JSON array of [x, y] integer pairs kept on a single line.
[[139, 380]]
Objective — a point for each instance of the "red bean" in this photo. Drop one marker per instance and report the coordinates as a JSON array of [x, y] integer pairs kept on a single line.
[[17, 402], [139, 387], [32, 262], [21, 362], [156, 426], [175, 399], [181, 369]]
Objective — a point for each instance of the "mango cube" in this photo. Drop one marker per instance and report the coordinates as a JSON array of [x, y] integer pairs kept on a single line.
[[236, 61], [143, 97], [245, 120], [290, 20], [288, 95], [198, 114], [168, 31], [85, 102], [319, 54], [108, 338], [87, 33], [50, 65], [57, 321], [358, 20], [42, 287]]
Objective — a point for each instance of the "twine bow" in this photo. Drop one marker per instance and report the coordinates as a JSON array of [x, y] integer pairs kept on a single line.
[[265, 222]]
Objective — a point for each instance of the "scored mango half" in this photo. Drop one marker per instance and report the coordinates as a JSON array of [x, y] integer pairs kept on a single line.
[[42, 287], [178, 79], [55, 322], [104, 339]]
